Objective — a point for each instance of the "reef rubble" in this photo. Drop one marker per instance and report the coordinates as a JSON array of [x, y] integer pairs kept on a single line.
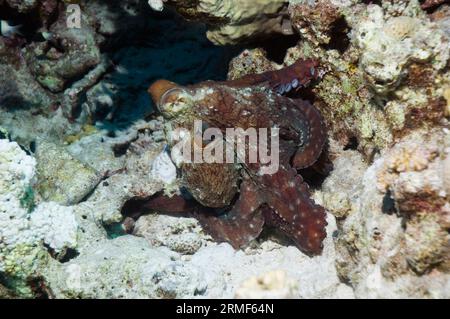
[[82, 151]]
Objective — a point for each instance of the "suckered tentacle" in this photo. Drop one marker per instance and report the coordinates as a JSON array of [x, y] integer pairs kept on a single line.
[[294, 77], [293, 212], [291, 78], [316, 137], [175, 204], [243, 223]]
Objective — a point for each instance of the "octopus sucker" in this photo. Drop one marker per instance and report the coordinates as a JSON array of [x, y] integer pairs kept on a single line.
[[299, 74], [280, 199], [308, 155]]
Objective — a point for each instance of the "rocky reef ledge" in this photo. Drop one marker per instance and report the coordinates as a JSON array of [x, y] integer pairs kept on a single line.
[[82, 148]]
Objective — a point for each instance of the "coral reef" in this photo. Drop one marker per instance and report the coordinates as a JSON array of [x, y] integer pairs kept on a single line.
[[180, 234], [380, 83], [234, 21], [54, 65], [62, 178], [188, 264], [393, 241], [391, 44], [393, 212], [25, 229], [130, 265], [127, 267], [86, 166]]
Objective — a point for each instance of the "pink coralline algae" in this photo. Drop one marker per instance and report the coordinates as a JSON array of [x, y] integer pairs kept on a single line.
[[280, 200]]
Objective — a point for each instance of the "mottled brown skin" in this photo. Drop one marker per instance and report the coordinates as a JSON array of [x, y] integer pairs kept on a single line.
[[281, 200], [170, 205], [428, 4], [294, 213], [243, 223], [301, 125], [300, 70], [211, 192]]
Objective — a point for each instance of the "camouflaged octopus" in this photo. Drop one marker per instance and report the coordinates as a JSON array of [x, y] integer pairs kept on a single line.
[[236, 201]]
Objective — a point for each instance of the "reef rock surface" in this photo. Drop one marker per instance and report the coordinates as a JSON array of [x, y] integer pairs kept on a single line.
[[80, 151]]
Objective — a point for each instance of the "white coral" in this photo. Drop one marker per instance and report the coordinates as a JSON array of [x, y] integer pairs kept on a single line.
[[163, 169], [446, 172], [157, 5], [56, 225], [21, 231], [16, 171]]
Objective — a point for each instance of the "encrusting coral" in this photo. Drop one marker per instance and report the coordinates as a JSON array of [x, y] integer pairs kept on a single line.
[[234, 21], [373, 99], [370, 53], [61, 177], [24, 231], [383, 99]]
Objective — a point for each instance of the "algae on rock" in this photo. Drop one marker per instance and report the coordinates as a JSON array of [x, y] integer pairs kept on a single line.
[[61, 177]]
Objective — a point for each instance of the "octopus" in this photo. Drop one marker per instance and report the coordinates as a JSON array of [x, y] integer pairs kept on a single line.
[[233, 201], [429, 4]]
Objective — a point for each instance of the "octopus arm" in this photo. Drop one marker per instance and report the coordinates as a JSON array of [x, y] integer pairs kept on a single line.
[[293, 77], [316, 137], [175, 204], [243, 223], [293, 212], [428, 4], [323, 165]]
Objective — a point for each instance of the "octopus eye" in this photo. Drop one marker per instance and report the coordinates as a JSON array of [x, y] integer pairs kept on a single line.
[[312, 71], [167, 97], [173, 101], [295, 83]]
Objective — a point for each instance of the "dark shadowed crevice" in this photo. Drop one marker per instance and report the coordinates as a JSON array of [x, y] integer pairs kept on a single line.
[[313, 178], [63, 256], [133, 207], [277, 46], [70, 254], [40, 288], [121, 148], [376, 2], [388, 205], [339, 39], [29, 21], [165, 46], [352, 144]]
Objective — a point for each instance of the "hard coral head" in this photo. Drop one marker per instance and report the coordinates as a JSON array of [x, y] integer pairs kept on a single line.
[[171, 99]]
